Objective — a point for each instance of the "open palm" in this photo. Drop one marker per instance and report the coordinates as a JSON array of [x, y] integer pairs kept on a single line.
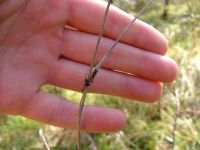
[[36, 48]]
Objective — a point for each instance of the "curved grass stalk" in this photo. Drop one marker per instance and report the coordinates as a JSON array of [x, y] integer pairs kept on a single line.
[[90, 78], [105, 57], [44, 141], [94, 68]]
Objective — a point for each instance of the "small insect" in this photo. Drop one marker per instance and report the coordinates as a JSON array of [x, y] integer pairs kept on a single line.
[[89, 81]]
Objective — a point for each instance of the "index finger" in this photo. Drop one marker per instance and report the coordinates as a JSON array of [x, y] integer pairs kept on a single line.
[[87, 16]]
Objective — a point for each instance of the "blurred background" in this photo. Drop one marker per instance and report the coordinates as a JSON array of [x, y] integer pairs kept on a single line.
[[171, 123]]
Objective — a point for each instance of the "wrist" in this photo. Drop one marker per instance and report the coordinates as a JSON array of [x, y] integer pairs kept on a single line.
[[9, 7]]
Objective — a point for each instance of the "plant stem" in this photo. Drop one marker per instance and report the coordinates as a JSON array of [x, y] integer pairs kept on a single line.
[[121, 35], [41, 134], [80, 116], [94, 69], [175, 119], [90, 78], [99, 38]]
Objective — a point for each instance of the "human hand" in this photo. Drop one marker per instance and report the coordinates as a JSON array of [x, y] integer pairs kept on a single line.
[[36, 49]]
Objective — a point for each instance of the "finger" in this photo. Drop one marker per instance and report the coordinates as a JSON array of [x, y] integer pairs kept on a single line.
[[71, 75], [55, 110], [90, 19], [124, 57]]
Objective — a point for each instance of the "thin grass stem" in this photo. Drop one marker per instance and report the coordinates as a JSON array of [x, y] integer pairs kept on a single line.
[[105, 57], [89, 79], [44, 141], [175, 93], [99, 38], [94, 68], [175, 118], [80, 111]]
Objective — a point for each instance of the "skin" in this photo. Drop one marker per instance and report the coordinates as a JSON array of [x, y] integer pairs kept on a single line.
[[36, 48]]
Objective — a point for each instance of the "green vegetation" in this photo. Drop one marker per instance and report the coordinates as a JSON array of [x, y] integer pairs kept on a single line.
[[149, 126]]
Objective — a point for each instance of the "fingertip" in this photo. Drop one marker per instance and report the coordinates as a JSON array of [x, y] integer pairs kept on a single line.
[[171, 69], [101, 119], [174, 70], [154, 93], [164, 44], [159, 42]]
